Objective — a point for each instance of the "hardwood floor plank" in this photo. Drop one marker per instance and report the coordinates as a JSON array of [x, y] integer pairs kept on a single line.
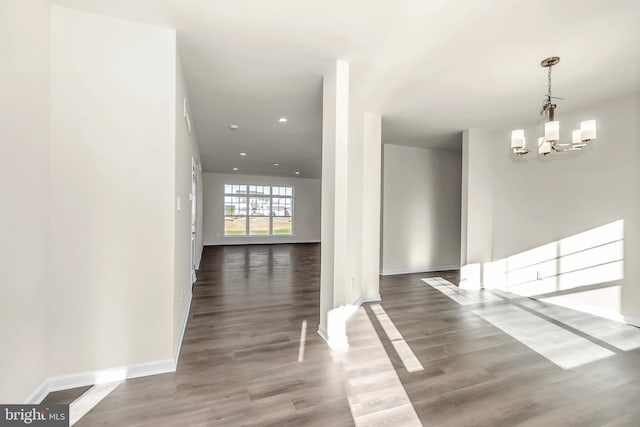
[[239, 362]]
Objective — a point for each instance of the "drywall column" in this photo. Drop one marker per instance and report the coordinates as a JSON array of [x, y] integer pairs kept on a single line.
[[464, 198], [351, 145], [371, 207], [477, 207], [186, 149], [24, 173], [333, 232], [327, 197]]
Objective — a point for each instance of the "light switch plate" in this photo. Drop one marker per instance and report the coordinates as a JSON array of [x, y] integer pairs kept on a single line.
[[178, 203]]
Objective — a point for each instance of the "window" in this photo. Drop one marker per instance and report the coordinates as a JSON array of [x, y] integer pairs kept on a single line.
[[258, 210]]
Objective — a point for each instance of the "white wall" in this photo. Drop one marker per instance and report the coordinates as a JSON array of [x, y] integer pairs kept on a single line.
[[186, 148], [421, 219], [536, 202], [113, 89], [306, 209], [24, 171]]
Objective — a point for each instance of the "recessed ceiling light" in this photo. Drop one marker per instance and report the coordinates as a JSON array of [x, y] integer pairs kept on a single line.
[[234, 127], [235, 169], [243, 154], [276, 164], [282, 120], [297, 173]]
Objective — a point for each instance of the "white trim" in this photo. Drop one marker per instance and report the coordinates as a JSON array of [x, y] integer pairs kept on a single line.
[[342, 342], [82, 379], [419, 270], [232, 241], [369, 298], [323, 333], [87, 378], [176, 353], [38, 394]]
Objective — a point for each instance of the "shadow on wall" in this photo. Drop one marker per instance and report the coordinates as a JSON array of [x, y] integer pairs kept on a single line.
[[581, 271]]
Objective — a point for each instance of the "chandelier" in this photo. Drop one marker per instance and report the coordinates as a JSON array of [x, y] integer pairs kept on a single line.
[[580, 138]]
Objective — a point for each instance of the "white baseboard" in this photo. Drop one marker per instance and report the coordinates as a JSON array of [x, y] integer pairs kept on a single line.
[[38, 394], [367, 298], [323, 333], [341, 342], [200, 251], [89, 378], [176, 352], [81, 379], [419, 270]]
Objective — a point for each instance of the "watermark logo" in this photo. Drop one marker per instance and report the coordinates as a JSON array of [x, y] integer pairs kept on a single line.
[[34, 415]]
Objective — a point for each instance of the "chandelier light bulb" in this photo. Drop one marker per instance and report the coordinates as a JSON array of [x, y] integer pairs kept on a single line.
[[588, 130], [552, 131], [517, 139]]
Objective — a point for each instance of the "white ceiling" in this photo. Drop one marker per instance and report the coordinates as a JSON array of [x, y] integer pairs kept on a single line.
[[432, 68]]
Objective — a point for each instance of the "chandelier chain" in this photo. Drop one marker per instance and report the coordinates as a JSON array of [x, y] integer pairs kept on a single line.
[[549, 79]]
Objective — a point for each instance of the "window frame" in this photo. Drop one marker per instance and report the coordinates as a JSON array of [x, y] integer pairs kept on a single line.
[[247, 196]]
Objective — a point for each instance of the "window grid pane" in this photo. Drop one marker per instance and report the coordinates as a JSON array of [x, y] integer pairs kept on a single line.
[[282, 206], [258, 210], [234, 205], [235, 189], [259, 206]]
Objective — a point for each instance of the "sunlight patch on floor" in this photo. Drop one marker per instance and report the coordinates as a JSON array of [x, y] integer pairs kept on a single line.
[[375, 393], [303, 340], [557, 344], [567, 347], [620, 335], [89, 399], [461, 296], [409, 359]]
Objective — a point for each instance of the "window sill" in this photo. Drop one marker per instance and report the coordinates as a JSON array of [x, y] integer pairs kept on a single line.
[[268, 236]]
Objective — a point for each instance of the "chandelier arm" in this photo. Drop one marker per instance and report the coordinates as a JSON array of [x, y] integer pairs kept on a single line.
[[566, 147]]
